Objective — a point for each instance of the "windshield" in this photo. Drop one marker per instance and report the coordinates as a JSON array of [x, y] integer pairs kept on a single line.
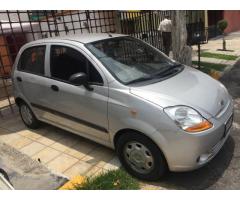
[[131, 60]]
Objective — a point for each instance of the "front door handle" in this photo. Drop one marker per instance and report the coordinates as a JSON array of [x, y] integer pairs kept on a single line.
[[19, 79], [54, 88]]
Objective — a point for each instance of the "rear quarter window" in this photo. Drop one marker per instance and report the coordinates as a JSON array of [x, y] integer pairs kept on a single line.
[[32, 60]]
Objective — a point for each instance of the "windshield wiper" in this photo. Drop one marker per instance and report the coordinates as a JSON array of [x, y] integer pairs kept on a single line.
[[145, 78], [169, 68]]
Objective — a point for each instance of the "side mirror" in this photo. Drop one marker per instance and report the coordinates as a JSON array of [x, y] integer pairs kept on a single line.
[[80, 79]]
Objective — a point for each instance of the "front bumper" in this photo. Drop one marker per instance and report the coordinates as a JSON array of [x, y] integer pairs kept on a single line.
[[191, 151]]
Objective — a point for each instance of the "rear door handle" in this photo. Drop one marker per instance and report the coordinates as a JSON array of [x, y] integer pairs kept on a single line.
[[54, 88], [19, 79]]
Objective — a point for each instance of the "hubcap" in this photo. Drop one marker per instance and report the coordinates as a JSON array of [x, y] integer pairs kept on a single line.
[[26, 114], [139, 157]]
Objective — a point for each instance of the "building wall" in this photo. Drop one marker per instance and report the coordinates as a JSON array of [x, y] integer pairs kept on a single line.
[[233, 19]]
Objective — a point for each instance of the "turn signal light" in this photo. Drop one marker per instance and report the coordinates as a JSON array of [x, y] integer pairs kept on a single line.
[[200, 127]]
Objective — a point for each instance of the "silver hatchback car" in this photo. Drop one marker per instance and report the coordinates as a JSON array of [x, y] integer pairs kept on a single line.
[[125, 94]]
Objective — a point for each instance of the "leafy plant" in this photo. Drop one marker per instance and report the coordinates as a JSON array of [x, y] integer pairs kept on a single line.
[[222, 25], [111, 180]]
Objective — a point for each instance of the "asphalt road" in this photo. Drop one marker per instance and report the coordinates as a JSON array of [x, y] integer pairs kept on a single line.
[[223, 172]]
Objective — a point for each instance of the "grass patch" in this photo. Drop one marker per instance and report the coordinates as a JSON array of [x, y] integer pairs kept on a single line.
[[218, 56], [111, 180], [205, 70], [209, 66]]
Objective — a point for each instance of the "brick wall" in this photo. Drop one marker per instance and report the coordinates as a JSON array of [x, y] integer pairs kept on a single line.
[[233, 19]]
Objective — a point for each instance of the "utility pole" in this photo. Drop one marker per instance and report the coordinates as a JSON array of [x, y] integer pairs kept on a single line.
[[181, 51]]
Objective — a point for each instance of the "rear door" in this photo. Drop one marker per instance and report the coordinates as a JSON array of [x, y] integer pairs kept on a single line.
[[30, 74]]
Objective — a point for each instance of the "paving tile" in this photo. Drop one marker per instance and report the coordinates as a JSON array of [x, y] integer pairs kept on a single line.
[[4, 132], [81, 149], [64, 143], [93, 171], [46, 155], [34, 135], [99, 156], [46, 141], [99, 172], [9, 137], [80, 168], [32, 148], [62, 163], [13, 124], [112, 164], [21, 142], [54, 133]]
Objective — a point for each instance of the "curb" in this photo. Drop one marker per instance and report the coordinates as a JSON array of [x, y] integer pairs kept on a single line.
[[71, 184]]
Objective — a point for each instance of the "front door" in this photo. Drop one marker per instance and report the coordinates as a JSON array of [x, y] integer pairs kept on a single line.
[[75, 108]]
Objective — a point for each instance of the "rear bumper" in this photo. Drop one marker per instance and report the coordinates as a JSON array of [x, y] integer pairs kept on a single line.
[[191, 151]]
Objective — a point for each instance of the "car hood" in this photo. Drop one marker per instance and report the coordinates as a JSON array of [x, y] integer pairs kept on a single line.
[[191, 88]]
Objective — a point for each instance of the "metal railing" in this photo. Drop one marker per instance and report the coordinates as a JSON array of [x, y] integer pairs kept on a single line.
[[19, 27]]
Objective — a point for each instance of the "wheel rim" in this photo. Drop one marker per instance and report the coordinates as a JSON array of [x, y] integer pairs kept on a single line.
[[139, 157], [26, 114]]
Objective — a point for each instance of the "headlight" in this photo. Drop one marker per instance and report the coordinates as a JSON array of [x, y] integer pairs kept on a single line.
[[188, 119]]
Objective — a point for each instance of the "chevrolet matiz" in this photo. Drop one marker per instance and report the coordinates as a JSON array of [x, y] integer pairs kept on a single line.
[[121, 92]]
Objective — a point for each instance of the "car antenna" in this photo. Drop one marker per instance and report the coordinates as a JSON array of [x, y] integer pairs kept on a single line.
[[110, 35]]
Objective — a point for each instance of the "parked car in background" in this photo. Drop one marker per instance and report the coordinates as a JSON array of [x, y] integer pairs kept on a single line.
[[125, 94]]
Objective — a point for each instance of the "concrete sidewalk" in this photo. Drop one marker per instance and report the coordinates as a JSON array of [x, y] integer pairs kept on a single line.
[[232, 44], [213, 46]]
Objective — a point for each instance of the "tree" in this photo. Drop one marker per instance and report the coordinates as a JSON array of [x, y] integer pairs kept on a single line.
[[181, 51], [222, 25]]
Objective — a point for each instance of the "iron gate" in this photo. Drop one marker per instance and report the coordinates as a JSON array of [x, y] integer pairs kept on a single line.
[[143, 25]]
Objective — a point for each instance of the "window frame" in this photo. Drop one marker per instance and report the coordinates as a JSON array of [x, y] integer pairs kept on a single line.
[[45, 58], [79, 50]]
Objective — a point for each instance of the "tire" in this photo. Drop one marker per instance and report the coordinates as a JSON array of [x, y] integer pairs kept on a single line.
[[33, 122], [141, 143]]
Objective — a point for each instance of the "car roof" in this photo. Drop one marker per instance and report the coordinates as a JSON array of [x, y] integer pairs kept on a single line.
[[82, 38]]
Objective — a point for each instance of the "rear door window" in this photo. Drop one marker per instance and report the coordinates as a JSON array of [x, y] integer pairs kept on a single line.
[[32, 60]]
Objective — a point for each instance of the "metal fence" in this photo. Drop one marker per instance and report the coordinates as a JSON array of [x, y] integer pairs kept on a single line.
[[20, 27], [143, 25]]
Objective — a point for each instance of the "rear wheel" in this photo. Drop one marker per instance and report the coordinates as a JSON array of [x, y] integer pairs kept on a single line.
[[141, 157], [28, 117]]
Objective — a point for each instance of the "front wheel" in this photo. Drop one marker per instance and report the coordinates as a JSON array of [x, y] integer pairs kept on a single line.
[[141, 157], [28, 117]]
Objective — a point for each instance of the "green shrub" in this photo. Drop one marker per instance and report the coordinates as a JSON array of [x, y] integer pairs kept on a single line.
[[111, 180], [222, 25]]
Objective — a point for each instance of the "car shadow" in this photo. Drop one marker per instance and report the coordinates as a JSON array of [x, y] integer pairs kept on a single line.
[[202, 178]]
